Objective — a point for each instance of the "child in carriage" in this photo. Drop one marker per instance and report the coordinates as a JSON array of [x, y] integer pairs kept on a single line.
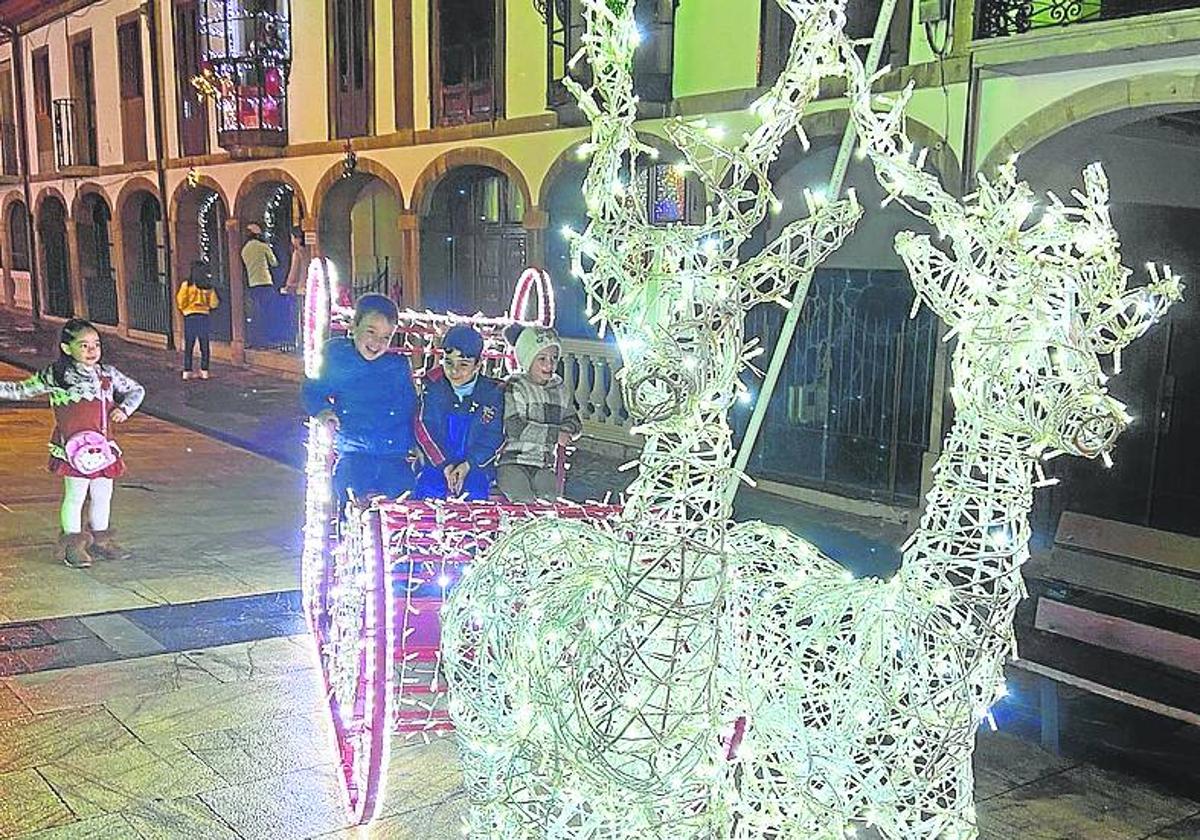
[[459, 425], [539, 418], [368, 394]]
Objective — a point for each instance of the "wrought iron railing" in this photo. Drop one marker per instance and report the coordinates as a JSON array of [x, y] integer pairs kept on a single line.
[[997, 18], [149, 305], [852, 410], [101, 291], [65, 128]]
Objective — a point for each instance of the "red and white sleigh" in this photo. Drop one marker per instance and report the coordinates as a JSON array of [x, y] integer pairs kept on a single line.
[[373, 588]]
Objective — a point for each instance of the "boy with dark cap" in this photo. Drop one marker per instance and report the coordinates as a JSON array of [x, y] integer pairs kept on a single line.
[[459, 425], [368, 394]]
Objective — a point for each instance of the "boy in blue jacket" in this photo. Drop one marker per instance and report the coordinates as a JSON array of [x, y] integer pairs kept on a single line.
[[368, 394], [460, 424]]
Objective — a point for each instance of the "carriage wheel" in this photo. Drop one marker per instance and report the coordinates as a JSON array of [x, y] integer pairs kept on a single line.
[[355, 649]]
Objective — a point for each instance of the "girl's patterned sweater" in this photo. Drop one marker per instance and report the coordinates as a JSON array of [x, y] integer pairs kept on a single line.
[[80, 406]]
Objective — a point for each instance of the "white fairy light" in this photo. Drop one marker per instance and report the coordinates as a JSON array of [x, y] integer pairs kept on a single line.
[[613, 636], [673, 674]]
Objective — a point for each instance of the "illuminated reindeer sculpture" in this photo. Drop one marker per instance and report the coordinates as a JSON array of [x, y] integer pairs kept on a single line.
[[862, 697], [584, 662], [679, 676]]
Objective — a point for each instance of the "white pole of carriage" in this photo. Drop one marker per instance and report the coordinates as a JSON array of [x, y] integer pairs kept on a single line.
[[836, 181]]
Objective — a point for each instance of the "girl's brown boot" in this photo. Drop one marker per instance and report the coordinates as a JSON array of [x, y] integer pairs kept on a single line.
[[106, 547], [73, 550]]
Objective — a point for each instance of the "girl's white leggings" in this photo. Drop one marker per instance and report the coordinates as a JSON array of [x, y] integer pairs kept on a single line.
[[75, 491]]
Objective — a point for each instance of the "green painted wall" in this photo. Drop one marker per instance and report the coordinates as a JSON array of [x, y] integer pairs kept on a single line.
[[716, 46]]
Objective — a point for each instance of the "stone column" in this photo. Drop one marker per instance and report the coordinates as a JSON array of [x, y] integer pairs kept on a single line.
[[75, 270], [8, 287], [120, 277], [535, 223], [410, 259], [237, 291]]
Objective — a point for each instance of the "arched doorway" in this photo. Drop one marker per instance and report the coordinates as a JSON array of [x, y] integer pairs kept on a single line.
[[853, 409], [276, 208], [359, 229], [200, 237], [1151, 160], [473, 247], [19, 245], [562, 200], [52, 233], [93, 232], [145, 265]]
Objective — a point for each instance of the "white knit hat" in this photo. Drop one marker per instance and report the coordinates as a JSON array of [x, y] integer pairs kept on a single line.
[[533, 340]]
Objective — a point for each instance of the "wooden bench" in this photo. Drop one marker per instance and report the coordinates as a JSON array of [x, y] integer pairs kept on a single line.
[[1114, 610]]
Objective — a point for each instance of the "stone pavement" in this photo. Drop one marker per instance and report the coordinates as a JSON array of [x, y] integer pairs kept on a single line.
[[172, 696]]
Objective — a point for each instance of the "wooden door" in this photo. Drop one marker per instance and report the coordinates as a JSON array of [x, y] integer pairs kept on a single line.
[[132, 89], [193, 111], [350, 67], [43, 125], [83, 91]]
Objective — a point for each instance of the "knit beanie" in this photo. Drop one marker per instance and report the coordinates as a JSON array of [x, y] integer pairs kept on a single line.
[[465, 339], [533, 340]]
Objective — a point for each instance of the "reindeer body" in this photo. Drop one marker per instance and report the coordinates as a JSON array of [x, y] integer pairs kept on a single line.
[[594, 670]]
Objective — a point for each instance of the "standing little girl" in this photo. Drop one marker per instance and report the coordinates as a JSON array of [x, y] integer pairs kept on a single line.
[[196, 299], [86, 397]]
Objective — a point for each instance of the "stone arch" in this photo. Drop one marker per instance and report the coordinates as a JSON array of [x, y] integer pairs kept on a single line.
[[45, 193], [830, 125], [567, 159], [1150, 94], [8, 199], [84, 190], [203, 181], [336, 173], [422, 193], [264, 176], [131, 188]]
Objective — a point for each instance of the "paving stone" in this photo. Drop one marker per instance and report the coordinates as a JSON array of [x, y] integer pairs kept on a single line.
[[104, 827], [1081, 802], [11, 706], [267, 748], [122, 635], [187, 817], [1186, 829], [442, 821], [1003, 762], [55, 736], [68, 654], [114, 780], [28, 804], [264, 658], [305, 803], [208, 708], [96, 684], [421, 775]]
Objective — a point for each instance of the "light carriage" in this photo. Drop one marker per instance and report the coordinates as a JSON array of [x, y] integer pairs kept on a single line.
[[374, 584]]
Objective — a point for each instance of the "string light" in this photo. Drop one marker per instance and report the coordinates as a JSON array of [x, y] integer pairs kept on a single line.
[[584, 658]]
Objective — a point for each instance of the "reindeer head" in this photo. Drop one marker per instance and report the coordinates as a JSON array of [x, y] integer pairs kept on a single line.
[[1036, 300], [1035, 295]]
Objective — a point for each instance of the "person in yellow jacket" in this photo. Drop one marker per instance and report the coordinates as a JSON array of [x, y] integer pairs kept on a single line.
[[196, 299]]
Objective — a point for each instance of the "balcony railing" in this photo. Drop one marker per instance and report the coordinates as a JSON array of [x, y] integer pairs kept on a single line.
[[997, 18]]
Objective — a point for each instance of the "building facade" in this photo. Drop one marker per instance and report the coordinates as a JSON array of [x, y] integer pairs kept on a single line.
[[429, 148]]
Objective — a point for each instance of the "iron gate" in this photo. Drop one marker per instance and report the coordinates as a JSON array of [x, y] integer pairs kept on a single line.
[[852, 407]]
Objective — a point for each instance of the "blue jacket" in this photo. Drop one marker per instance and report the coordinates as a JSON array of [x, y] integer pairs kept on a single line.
[[450, 430], [375, 401]]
